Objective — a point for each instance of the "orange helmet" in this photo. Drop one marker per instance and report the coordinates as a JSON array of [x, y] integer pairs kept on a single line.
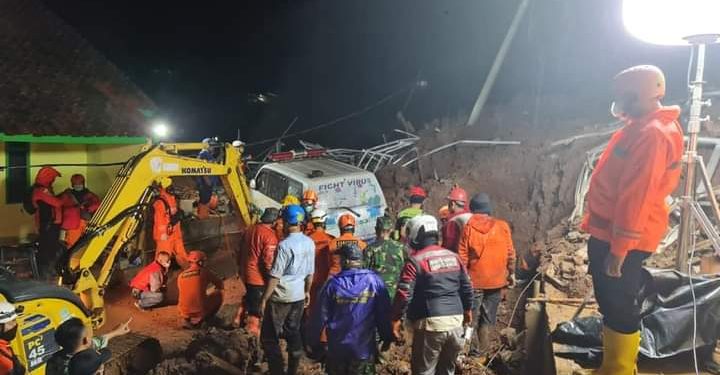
[[444, 212], [417, 191], [347, 220], [196, 256], [310, 195], [77, 179], [457, 194], [642, 81]]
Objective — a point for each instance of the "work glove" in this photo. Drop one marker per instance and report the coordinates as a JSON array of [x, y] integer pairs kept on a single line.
[[467, 318], [397, 331], [511, 280]]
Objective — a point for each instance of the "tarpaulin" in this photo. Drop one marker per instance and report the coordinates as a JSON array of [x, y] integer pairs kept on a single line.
[[666, 319]]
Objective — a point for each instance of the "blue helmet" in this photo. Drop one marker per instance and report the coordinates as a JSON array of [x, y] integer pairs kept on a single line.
[[294, 214]]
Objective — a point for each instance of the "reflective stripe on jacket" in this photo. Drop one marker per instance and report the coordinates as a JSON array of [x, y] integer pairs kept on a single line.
[[433, 283], [640, 167]]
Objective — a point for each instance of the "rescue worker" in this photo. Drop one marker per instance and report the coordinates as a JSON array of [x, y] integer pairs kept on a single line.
[[287, 294], [487, 252], [347, 224], [288, 200], [626, 213], [443, 214], [458, 216], [353, 307], [205, 184], [48, 217], [416, 196], [79, 204], [309, 203], [9, 362], [435, 292], [385, 256], [255, 265], [166, 224], [195, 305], [73, 337], [322, 247], [148, 286]]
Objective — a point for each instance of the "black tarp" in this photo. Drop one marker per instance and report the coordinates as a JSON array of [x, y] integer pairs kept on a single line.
[[667, 319]]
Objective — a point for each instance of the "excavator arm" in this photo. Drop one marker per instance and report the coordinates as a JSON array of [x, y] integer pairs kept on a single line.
[[122, 211]]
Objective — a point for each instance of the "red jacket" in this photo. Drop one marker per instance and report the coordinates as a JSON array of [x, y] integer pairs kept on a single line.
[[640, 167], [452, 230], [49, 207], [141, 281], [256, 262], [74, 203], [165, 207], [487, 250]]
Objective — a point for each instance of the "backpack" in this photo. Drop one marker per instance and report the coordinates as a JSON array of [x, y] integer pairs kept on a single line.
[[27, 202]]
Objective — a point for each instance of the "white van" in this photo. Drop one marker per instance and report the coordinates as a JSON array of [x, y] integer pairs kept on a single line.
[[339, 186]]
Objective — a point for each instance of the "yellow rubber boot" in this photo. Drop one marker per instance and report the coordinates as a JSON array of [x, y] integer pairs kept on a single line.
[[619, 353]]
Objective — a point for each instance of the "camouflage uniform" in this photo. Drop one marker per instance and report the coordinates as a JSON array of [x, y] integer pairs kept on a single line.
[[387, 258]]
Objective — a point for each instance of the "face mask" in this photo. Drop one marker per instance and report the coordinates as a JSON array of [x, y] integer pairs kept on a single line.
[[9, 335], [308, 208], [78, 187]]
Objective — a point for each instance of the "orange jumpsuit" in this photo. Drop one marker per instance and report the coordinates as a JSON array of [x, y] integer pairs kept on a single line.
[[194, 303], [74, 203], [335, 245], [322, 266], [165, 207], [258, 259], [639, 168], [487, 251]]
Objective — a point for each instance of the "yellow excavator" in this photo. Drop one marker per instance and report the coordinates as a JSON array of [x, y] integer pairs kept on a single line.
[[42, 307]]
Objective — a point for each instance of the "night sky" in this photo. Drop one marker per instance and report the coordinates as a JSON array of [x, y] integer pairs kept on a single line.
[[202, 62]]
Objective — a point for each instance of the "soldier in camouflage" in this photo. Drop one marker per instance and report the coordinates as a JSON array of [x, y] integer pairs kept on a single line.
[[386, 256]]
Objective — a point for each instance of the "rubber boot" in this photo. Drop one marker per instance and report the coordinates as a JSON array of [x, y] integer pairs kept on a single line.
[[293, 363], [619, 353]]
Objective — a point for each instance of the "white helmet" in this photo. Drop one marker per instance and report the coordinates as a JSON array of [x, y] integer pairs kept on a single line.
[[8, 312], [318, 216], [238, 143], [420, 224]]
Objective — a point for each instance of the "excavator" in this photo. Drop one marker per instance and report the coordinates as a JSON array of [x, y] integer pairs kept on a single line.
[[43, 307]]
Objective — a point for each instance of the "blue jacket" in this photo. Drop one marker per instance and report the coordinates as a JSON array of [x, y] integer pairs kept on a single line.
[[354, 305]]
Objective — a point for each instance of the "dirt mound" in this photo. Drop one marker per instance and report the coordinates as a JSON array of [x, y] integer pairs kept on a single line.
[[532, 185]]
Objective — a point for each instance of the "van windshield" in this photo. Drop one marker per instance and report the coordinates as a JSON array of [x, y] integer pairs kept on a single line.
[[276, 186]]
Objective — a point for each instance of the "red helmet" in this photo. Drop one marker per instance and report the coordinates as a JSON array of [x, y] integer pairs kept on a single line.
[[77, 179], [458, 194], [196, 256], [417, 191], [46, 176], [346, 220]]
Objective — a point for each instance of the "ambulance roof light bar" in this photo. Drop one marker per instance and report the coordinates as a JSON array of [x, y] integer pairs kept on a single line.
[[297, 155]]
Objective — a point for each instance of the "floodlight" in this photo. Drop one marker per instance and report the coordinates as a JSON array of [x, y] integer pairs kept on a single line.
[[161, 129], [672, 22]]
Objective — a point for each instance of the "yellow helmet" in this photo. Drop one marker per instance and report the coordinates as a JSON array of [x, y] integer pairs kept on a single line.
[[165, 182], [290, 200]]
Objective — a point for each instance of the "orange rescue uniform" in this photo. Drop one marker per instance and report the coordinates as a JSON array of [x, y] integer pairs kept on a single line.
[[640, 167], [256, 262], [335, 245], [165, 208], [322, 266], [194, 303], [486, 249]]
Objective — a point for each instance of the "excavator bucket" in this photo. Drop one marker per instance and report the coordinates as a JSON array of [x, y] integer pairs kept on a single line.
[[133, 354]]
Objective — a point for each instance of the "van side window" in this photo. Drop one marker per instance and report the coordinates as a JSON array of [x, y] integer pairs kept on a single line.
[[276, 186]]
